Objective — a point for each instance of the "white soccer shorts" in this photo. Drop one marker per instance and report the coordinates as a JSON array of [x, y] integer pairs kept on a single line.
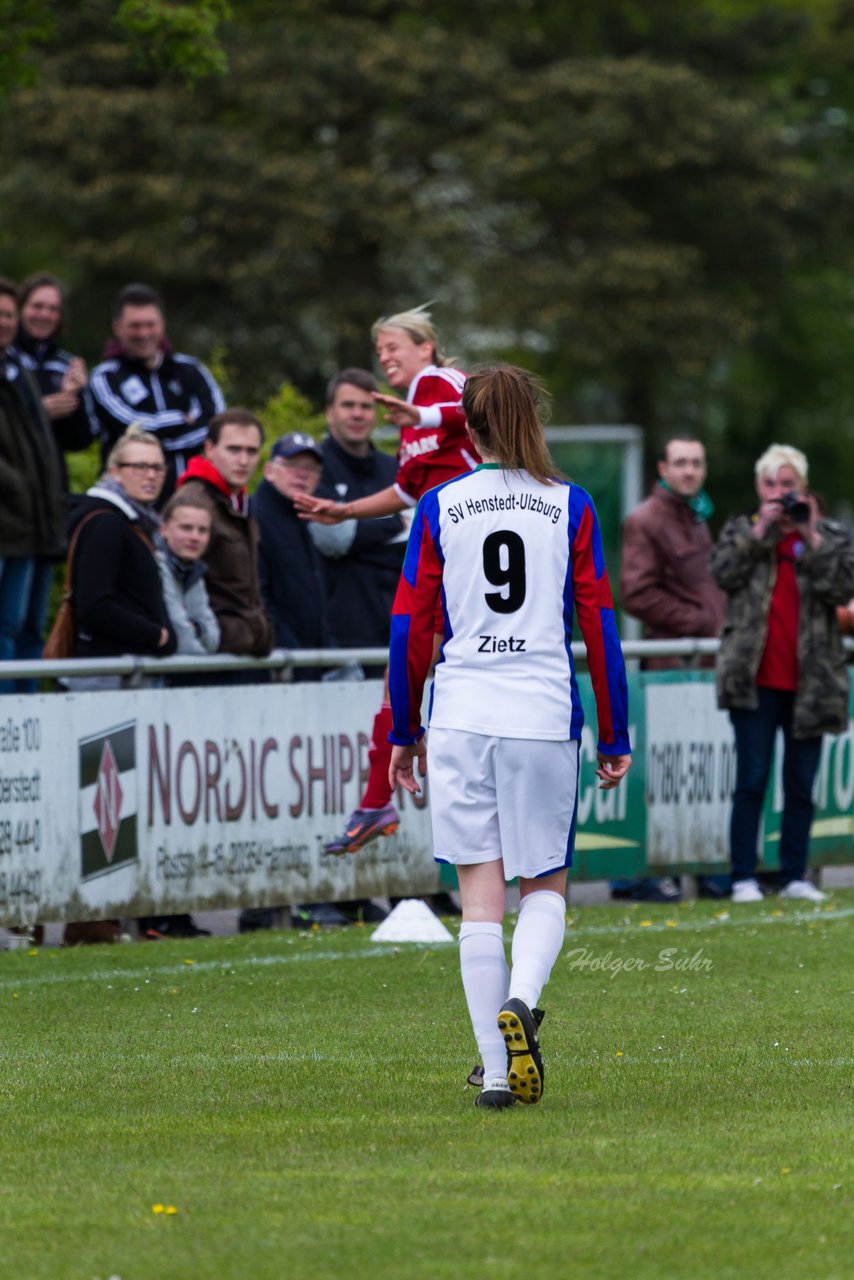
[[508, 798]]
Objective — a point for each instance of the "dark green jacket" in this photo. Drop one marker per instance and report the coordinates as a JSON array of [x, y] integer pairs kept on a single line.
[[32, 502], [746, 568]]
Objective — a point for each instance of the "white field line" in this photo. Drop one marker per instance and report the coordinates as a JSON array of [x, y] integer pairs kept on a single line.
[[194, 966], [371, 952], [814, 916]]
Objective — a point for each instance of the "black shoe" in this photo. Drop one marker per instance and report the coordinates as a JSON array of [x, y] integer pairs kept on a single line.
[[495, 1098], [157, 928], [322, 914], [525, 1072], [715, 887], [664, 890], [362, 911], [443, 904], [252, 918], [476, 1074]]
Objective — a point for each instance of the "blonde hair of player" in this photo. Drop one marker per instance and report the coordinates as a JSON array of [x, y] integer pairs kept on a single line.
[[418, 325], [782, 455], [505, 407]]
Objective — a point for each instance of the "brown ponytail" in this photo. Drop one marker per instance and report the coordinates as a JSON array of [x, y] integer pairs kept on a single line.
[[504, 407]]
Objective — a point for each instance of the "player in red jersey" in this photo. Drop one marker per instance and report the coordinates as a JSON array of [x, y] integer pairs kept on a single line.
[[434, 447]]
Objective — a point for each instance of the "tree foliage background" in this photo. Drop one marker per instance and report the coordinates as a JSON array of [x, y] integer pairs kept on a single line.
[[649, 203]]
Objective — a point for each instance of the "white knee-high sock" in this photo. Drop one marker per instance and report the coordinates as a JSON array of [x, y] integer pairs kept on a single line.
[[537, 940], [485, 974]]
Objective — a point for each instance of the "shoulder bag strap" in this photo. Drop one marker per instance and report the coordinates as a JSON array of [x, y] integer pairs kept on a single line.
[[66, 594]]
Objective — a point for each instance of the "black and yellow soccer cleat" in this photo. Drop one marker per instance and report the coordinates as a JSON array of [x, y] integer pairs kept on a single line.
[[525, 1072], [476, 1074]]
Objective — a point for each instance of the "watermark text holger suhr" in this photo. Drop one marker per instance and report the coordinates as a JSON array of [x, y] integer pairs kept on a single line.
[[670, 960]]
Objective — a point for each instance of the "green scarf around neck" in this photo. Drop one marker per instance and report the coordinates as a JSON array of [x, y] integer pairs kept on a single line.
[[701, 504]]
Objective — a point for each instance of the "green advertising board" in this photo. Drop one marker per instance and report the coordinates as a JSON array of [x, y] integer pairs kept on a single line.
[[672, 812], [598, 468]]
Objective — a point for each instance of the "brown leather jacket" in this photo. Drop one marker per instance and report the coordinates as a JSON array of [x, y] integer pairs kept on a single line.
[[232, 577], [664, 574]]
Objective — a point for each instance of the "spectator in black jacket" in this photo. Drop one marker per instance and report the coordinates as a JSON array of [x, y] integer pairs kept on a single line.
[[31, 500], [362, 559], [289, 565], [144, 381], [62, 380], [115, 580], [115, 584], [292, 585]]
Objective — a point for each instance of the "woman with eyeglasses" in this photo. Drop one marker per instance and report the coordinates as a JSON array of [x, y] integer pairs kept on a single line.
[[116, 590], [115, 580]]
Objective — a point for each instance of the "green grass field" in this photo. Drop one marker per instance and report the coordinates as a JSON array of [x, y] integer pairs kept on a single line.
[[298, 1100]]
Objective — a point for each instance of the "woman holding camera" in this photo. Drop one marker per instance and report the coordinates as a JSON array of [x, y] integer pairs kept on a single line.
[[781, 662]]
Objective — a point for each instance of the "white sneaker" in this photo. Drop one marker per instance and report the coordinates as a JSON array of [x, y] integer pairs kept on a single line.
[[804, 890], [746, 891]]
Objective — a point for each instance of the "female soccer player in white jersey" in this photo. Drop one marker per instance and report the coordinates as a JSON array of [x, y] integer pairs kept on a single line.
[[434, 447], [511, 552]]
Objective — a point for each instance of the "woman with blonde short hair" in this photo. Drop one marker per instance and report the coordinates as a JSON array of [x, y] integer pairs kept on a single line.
[[781, 662], [115, 582], [434, 447]]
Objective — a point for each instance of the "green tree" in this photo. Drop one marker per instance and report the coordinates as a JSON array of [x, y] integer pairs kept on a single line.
[[275, 207], [651, 203], [173, 35]]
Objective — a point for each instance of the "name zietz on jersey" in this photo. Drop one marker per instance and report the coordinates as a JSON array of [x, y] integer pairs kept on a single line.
[[514, 562]]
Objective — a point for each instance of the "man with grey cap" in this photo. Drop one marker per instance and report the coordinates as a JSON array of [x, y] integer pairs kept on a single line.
[[294, 591], [290, 568]]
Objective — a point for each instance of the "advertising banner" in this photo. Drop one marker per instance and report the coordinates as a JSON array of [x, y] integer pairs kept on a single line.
[[137, 802], [690, 776], [690, 770], [610, 840]]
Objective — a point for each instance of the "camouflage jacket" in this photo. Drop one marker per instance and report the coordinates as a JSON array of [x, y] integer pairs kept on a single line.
[[746, 568]]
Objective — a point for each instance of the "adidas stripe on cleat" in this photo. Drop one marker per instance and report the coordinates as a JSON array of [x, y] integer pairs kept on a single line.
[[495, 1095], [363, 826], [525, 1071]]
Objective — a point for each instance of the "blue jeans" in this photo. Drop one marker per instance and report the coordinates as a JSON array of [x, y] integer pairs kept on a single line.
[[32, 638], [755, 732], [16, 581]]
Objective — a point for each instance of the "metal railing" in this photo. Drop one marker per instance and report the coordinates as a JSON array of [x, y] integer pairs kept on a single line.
[[281, 663]]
